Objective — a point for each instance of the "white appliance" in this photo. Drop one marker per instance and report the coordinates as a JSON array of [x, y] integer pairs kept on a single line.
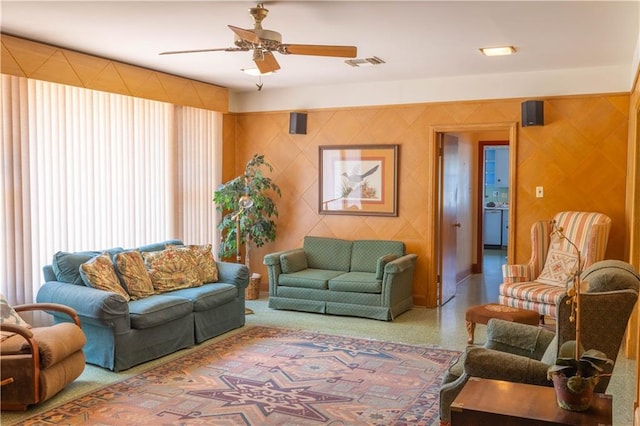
[[492, 227]]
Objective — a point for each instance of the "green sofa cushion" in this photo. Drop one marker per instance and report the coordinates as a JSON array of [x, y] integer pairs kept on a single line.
[[66, 266], [356, 282], [293, 262], [208, 296], [309, 278], [328, 253], [158, 310], [365, 253]]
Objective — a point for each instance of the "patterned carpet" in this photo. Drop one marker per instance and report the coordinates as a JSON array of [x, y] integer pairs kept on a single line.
[[273, 376]]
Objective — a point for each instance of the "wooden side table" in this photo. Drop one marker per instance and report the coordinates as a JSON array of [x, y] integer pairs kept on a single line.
[[485, 402]]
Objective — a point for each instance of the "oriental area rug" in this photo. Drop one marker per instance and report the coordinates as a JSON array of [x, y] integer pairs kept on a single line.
[[273, 376]]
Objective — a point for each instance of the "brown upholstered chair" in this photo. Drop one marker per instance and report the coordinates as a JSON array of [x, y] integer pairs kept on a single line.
[[37, 363]]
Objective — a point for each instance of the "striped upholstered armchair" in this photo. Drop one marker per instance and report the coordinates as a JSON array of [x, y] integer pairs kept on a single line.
[[539, 285]]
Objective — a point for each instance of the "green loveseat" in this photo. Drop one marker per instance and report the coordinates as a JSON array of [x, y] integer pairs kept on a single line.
[[363, 278]]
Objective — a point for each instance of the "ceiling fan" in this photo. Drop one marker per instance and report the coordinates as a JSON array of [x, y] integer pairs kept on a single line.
[[264, 42]]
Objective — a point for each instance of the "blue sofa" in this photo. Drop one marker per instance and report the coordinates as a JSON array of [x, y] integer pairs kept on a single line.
[[364, 278], [123, 334]]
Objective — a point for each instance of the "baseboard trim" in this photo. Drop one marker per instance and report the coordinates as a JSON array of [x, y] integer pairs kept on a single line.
[[463, 274]]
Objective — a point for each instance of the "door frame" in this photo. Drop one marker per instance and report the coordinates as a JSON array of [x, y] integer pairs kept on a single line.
[[434, 184]]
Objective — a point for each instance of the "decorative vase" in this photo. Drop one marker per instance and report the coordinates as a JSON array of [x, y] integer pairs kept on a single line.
[[569, 399]]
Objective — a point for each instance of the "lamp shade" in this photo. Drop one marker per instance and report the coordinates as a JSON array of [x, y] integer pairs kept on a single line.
[[245, 202]]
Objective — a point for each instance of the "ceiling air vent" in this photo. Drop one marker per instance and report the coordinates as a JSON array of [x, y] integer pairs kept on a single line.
[[364, 62]]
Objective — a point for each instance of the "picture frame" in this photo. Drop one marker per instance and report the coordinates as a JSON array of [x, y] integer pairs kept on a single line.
[[358, 180]]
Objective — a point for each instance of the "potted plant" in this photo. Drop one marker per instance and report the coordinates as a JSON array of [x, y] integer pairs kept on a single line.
[[247, 209], [576, 372], [574, 378]]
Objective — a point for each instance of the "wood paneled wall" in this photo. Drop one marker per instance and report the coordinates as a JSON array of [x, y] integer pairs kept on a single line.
[[31, 59], [579, 156], [633, 229]]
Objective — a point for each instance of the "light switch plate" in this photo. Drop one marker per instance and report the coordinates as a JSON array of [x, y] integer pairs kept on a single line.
[[539, 192]]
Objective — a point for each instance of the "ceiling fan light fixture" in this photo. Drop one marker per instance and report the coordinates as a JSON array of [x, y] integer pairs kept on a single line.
[[364, 62], [254, 72], [498, 51], [258, 54]]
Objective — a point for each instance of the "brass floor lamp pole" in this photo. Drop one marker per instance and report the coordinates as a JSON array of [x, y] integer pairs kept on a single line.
[[238, 254], [244, 203]]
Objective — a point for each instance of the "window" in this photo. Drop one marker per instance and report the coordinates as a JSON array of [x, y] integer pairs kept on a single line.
[[90, 170]]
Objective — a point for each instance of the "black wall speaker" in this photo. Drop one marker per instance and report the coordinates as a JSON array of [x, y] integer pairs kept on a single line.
[[298, 123], [532, 113]]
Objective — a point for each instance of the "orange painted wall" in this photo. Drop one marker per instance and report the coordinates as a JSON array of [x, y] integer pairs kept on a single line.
[[579, 156]]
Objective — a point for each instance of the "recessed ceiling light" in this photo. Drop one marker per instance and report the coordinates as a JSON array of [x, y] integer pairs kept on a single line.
[[498, 51], [254, 71]]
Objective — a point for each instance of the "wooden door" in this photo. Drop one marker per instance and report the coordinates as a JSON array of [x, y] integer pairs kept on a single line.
[[448, 216]]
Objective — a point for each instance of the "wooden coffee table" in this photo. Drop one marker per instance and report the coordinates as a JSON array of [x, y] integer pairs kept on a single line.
[[486, 402]]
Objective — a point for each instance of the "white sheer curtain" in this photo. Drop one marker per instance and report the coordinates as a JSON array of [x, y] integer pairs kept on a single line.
[[15, 240], [88, 170], [200, 135]]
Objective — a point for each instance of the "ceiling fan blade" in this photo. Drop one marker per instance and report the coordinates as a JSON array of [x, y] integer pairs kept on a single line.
[[319, 50], [268, 63], [225, 49], [247, 35]]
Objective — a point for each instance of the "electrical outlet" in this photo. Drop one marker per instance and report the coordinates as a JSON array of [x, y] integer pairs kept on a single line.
[[539, 192]]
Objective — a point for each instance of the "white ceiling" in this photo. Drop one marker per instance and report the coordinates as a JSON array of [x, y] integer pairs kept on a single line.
[[419, 40]]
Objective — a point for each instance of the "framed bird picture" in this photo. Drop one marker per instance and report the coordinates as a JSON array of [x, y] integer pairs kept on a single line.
[[359, 180]]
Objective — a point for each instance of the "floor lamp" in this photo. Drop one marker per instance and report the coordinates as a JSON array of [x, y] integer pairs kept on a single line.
[[244, 202]]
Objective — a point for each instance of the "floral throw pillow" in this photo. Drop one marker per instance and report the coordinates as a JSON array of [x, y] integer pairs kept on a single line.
[[558, 268], [206, 263], [133, 273], [99, 273], [171, 269], [8, 315]]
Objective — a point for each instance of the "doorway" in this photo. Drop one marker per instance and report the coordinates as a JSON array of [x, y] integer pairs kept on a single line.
[[493, 200], [474, 221]]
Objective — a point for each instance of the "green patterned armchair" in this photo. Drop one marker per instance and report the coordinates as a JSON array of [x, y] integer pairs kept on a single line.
[[522, 353]]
